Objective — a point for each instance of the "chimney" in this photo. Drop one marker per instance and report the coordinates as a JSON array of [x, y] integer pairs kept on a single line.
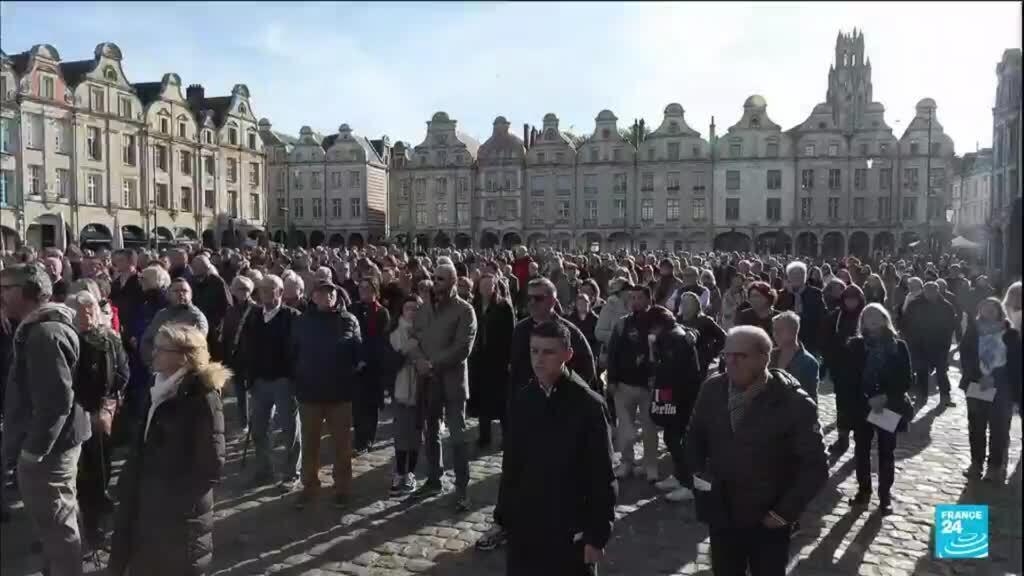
[[640, 134], [526, 135], [533, 136], [195, 94]]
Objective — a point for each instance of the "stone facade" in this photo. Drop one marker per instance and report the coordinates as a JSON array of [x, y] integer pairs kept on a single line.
[[89, 157], [972, 194], [1005, 217], [326, 190]]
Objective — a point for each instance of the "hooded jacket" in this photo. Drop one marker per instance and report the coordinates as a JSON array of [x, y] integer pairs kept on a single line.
[[164, 521], [41, 415]]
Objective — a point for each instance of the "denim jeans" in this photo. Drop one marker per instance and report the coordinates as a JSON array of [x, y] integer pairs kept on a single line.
[[266, 396], [628, 401], [48, 490], [447, 400]]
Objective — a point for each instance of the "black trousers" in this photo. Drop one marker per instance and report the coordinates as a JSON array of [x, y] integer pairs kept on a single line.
[[366, 411], [546, 559], [93, 480], [994, 418], [924, 368], [765, 551], [675, 438], [863, 434]]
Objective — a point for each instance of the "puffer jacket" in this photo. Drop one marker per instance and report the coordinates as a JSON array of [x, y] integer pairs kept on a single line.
[[164, 521]]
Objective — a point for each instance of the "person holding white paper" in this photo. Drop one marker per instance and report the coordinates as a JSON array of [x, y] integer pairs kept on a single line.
[[990, 360], [876, 364]]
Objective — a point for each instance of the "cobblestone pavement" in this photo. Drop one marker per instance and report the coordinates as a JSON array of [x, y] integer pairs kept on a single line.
[[259, 532]]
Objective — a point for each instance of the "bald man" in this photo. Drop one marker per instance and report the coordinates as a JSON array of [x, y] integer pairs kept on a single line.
[[755, 445]]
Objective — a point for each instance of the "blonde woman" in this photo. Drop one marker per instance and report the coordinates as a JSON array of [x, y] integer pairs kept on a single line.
[[164, 521], [1012, 304]]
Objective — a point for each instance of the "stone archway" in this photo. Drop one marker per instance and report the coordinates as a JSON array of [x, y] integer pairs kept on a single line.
[[185, 235], [619, 240], [859, 245], [299, 239], [884, 242], [355, 240], [773, 243], [488, 240], [807, 244], [592, 242], [337, 240], [95, 236], [463, 241], [316, 238], [163, 235], [909, 240], [833, 245], [511, 239], [280, 237], [9, 239], [422, 242], [732, 242], [536, 239], [132, 237], [441, 240]]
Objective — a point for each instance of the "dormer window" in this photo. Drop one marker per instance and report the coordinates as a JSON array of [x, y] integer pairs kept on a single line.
[[673, 127], [755, 122], [165, 126], [233, 136], [252, 140], [605, 133], [182, 130], [207, 137], [110, 74], [241, 108]]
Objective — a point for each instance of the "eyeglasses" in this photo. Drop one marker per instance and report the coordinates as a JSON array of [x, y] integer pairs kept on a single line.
[[538, 297]]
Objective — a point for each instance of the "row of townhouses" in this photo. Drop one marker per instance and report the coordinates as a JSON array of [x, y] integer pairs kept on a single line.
[[88, 156]]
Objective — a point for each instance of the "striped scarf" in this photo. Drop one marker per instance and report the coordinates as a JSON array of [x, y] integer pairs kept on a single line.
[[740, 400]]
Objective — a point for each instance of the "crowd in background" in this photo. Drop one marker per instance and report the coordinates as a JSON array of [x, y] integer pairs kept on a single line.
[[322, 340]]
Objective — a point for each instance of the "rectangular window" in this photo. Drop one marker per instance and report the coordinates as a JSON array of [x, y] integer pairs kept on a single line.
[[233, 136], [863, 148], [672, 181], [647, 184], [537, 186], [128, 149], [403, 217], [461, 188], [318, 208], [5, 135], [209, 166], [94, 189], [405, 191], [735, 150], [182, 130], [63, 182], [884, 209], [617, 155], [491, 210], [355, 179], [34, 131], [773, 209], [647, 210], [254, 206], [672, 209], [62, 136], [698, 183], [541, 158], [6, 182], [210, 199], [937, 179], [421, 215], [833, 208], [910, 178], [732, 179], [673, 151], [233, 170], [650, 154], [421, 189], [336, 179], [697, 208], [124, 107], [186, 199], [35, 180], [537, 211], [936, 148], [619, 183], [806, 209], [915, 148], [252, 141], [186, 162], [593, 154], [773, 150], [591, 212], [165, 126], [160, 157], [254, 174], [297, 208], [96, 99], [315, 180], [129, 193], [809, 150], [590, 184], [884, 178], [462, 212], [511, 209], [356, 207], [807, 179], [619, 208], [49, 87], [336, 208], [732, 209], [560, 157], [563, 211], [858, 208], [93, 145], [833, 149], [162, 198], [440, 213], [564, 185], [909, 208], [835, 178], [860, 178], [775, 179]]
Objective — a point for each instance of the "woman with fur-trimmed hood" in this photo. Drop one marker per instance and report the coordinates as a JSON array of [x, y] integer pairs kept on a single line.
[[164, 522]]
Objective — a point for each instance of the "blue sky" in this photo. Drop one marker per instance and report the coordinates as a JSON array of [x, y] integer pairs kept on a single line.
[[386, 68]]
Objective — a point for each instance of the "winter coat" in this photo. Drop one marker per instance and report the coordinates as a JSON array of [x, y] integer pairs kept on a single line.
[[928, 328], [613, 310], [520, 368], [103, 372], [129, 299], [1008, 377], [212, 297], [774, 461], [327, 348], [373, 344], [40, 412], [587, 326], [488, 364], [710, 340], [164, 521], [812, 314], [231, 332], [677, 368], [894, 382], [801, 366]]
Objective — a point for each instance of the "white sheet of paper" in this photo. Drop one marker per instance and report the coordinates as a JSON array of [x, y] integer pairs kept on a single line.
[[886, 419], [701, 484], [974, 391]]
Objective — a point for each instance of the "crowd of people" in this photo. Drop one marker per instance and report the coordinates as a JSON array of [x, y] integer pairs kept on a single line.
[[577, 356]]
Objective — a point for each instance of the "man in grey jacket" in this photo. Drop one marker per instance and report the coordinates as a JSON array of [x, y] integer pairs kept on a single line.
[[445, 329], [44, 425], [179, 311]]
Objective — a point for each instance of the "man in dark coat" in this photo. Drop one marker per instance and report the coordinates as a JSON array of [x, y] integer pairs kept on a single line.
[[488, 364], [235, 319], [42, 422], [556, 499], [210, 294], [756, 449], [126, 289], [807, 301], [930, 324]]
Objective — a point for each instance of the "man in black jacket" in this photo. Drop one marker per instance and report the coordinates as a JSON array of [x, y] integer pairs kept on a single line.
[[930, 324], [374, 322], [756, 449], [210, 294], [807, 301], [556, 499]]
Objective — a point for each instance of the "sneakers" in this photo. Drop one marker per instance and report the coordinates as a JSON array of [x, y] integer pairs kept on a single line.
[[681, 494], [492, 539], [623, 470], [408, 485], [429, 488], [668, 484]]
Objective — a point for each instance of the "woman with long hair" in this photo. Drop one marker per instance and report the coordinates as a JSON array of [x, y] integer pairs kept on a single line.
[[841, 325], [875, 375], [165, 519], [990, 358], [1012, 304], [874, 290], [488, 363]]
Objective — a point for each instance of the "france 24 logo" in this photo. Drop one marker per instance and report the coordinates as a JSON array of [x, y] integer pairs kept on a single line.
[[961, 531]]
